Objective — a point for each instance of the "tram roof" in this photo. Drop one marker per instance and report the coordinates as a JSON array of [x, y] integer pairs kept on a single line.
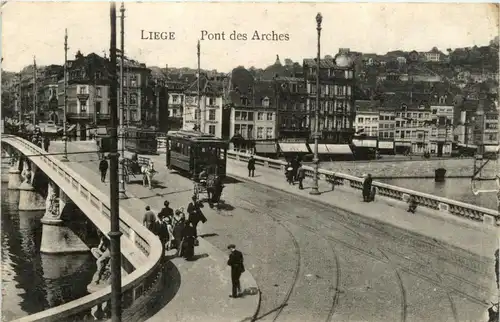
[[193, 135]]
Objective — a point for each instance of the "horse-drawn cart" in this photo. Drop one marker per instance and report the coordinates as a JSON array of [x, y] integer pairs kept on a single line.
[[138, 166]]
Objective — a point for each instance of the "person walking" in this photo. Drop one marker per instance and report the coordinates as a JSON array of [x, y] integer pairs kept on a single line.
[[103, 168], [164, 220], [195, 214], [251, 166], [237, 268], [367, 188], [149, 220], [301, 175], [188, 241], [46, 143]]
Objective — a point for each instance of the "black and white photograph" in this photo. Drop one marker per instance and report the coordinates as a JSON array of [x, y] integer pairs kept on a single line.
[[249, 161]]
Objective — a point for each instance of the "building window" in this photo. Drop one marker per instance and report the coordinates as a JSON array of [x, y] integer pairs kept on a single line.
[[237, 129], [260, 133], [265, 102], [98, 92], [211, 129], [244, 132], [133, 99], [83, 107], [211, 101], [492, 137], [269, 133], [83, 90], [250, 116], [237, 115], [391, 135], [260, 116], [98, 75], [133, 80], [250, 131], [360, 120], [175, 99], [98, 107], [211, 115], [340, 91], [269, 116]]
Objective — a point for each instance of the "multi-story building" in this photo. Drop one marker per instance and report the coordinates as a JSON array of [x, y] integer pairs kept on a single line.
[[211, 102], [336, 108], [253, 117], [48, 93], [485, 131], [386, 129], [136, 77], [441, 138], [292, 117], [434, 55], [412, 129], [87, 93], [367, 119], [175, 103]]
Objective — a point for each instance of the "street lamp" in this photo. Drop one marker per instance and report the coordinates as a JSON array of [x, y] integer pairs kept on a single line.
[[314, 189]]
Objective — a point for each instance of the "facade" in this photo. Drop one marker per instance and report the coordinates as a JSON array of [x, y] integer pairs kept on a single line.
[[292, 116], [136, 79], [211, 103], [367, 120], [337, 114], [412, 131], [485, 131], [175, 103], [434, 55], [386, 130], [441, 138]]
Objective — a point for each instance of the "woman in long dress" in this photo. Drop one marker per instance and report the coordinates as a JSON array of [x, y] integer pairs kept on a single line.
[[188, 241], [178, 225]]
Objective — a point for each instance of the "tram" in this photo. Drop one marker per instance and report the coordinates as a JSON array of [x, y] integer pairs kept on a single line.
[[190, 152], [140, 141]]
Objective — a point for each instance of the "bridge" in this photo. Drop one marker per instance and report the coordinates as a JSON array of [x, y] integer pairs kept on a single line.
[[313, 257]]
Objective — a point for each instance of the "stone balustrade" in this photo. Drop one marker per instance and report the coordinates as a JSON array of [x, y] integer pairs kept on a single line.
[[457, 208], [141, 250]]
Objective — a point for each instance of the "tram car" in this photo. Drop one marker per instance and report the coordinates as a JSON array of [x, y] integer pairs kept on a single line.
[[140, 141], [190, 152]]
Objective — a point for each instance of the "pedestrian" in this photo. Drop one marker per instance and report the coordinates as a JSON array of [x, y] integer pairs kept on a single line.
[[164, 220], [188, 241], [195, 213], [46, 143], [177, 225], [103, 168], [251, 166], [367, 188], [149, 220], [289, 173], [301, 175], [237, 268]]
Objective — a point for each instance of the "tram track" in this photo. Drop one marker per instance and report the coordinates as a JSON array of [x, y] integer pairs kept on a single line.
[[386, 259]]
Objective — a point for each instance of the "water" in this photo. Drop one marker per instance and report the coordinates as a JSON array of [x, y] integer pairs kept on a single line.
[[453, 188], [31, 281]]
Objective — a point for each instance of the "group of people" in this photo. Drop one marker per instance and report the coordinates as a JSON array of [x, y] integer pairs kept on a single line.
[[295, 172], [214, 186], [40, 140], [174, 228]]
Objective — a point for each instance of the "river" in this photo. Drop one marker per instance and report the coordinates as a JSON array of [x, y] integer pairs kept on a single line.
[[453, 188], [31, 281]]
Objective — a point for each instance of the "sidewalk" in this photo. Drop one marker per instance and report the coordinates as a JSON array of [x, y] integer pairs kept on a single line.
[[198, 290], [474, 237]]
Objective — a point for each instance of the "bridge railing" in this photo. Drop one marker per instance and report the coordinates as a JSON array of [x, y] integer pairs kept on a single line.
[[147, 273], [457, 208]]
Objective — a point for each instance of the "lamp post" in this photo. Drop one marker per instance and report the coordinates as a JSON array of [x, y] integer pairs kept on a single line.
[[314, 189], [65, 134], [122, 194], [114, 234]]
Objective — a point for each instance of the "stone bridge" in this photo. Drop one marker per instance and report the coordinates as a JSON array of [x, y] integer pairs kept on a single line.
[[46, 183]]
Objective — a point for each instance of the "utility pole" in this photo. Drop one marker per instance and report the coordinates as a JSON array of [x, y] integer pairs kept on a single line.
[[114, 234], [65, 133], [198, 109], [121, 193], [34, 91], [20, 101], [314, 188]]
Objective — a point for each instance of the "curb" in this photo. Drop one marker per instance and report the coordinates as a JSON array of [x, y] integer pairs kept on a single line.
[[316, 199]]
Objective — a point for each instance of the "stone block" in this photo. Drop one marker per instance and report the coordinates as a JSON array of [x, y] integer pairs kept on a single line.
[[14, 179], [59, 239], [29, 199]]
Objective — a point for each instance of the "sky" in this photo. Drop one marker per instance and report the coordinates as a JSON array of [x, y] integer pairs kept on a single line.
[[37, 29]]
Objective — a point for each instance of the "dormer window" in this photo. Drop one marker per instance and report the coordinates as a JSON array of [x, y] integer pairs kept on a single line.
[[265, 102], [244, 101]]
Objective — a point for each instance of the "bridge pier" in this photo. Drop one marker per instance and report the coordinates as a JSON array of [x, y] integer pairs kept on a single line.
[[56, 237], [14, 173], [29, 199]]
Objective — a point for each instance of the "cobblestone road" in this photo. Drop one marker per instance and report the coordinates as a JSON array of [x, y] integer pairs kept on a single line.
[[316, 263]]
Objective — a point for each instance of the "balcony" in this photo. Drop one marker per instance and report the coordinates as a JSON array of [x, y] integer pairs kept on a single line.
[[80, 116]]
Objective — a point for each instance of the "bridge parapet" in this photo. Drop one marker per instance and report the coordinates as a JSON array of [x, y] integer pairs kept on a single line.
[[141, 249], [457, 208]]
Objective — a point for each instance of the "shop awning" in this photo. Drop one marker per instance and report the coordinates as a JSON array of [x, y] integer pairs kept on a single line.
[[343, 149], [268, 148], [491, 148], [322, 149], [294, 147], [71, 128], [403, 143], [385, 145], [365, 143]]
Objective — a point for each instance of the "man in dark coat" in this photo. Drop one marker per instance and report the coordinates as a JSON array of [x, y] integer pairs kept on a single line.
[[164, 216], [218, 186], [195, 214], [251, 167], [149, 220], [367, 188], [301, 174], [237, 268], [188, 241], [46, 143], [103, 168]]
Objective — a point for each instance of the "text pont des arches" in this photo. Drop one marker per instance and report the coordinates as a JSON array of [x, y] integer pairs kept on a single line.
[[243, 36]]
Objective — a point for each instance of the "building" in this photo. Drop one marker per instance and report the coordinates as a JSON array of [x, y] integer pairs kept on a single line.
[[137, 112], [48, 93], [336, 98], [434, 55], [175, 103], [87, 94], [253, 117], [211, 105], [367, 119], [441, 138], [386, 130], [292, 117], [485, 131]]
